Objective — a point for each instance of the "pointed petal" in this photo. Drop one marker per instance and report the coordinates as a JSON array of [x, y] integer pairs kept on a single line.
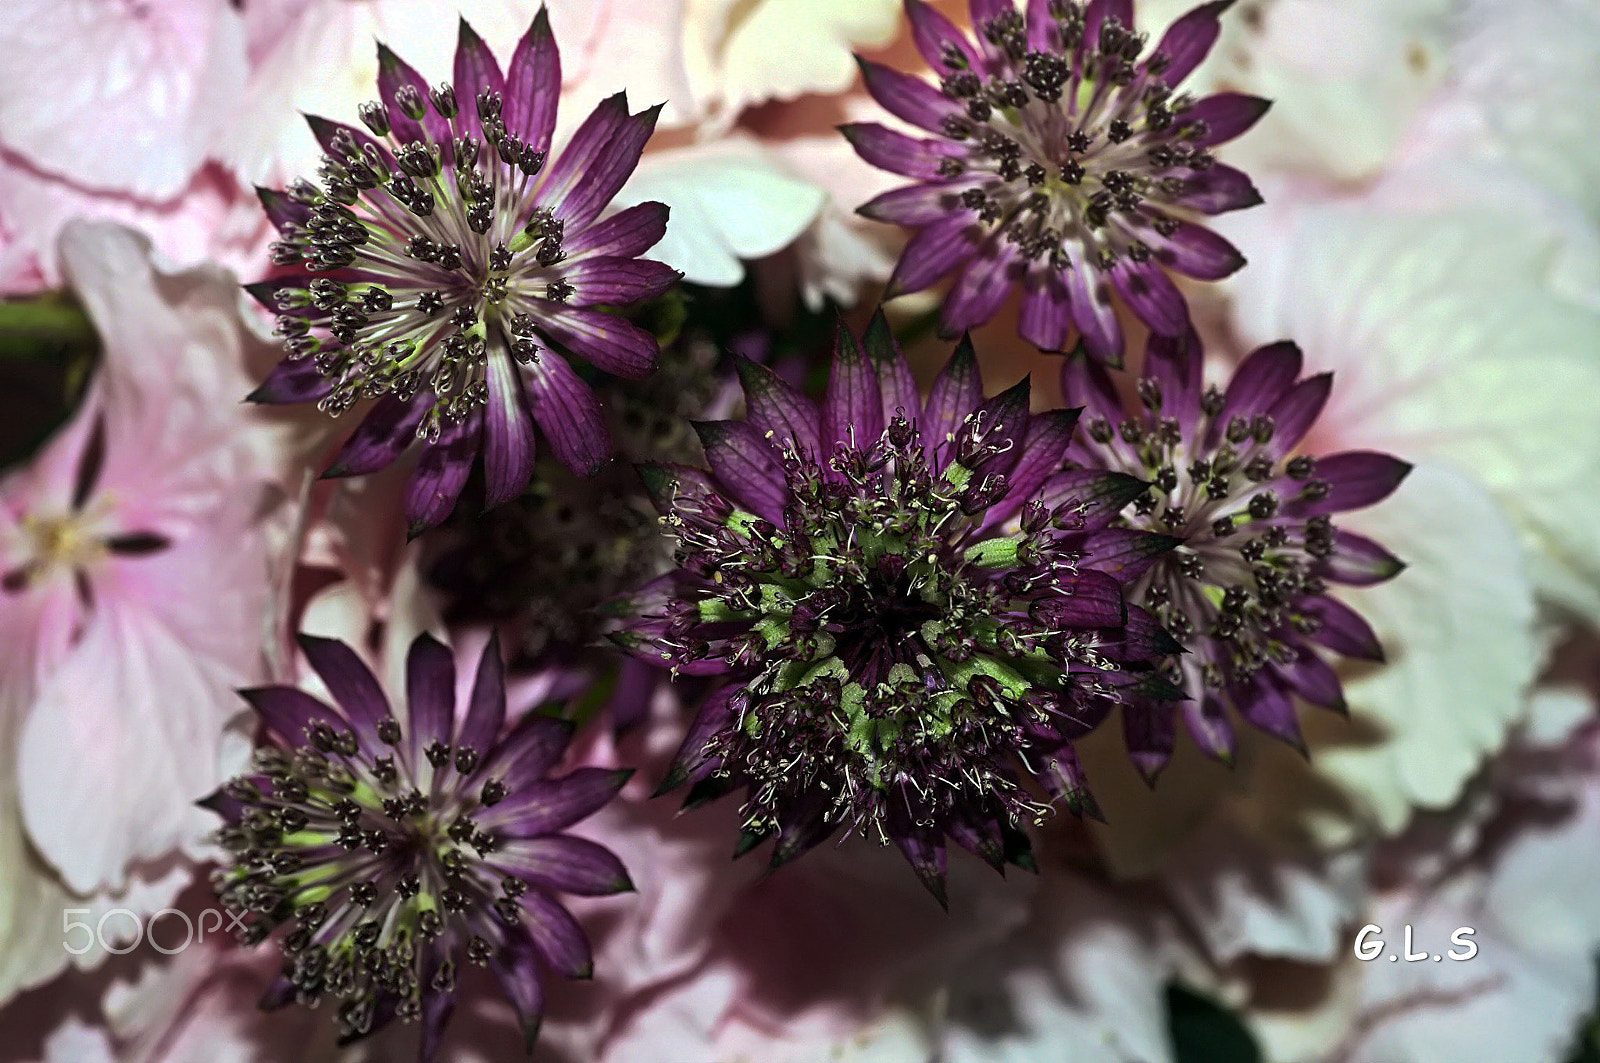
[[613, 281], [983, 286], [1226, 115], [1219, 190], [441, 474], [1174, 363], [775, 407], [852, 409], [907, 97], [534, 746], [907, 156], [1359, 561], [625, 234], [293, 380], [1295, 413], [1148, 732], [568, 412], [395, 73], [1100, 11], [1259, 382], [914, 206], [1092, 312], [533, 85], [1268, 706], [430, 693], [486, 707], [1088, 599], [351, 683], [545, 806], [1207, 720], [1195, 251], [936, 37], [1046, 319], [1063, 776], [1187, 40], [564, 863], [696, 753], [288, 712], [1042, 450], [935, 251], [1152, 296], [475, 71], [1355, 479], [517, 969], [925, 851], [1312, 679], [383, 435], [282, 209], [587, 176], [508, 443], [956, 393], [1086, 383], [604, 340], [1342, 629], [746, 466], [558, 937]]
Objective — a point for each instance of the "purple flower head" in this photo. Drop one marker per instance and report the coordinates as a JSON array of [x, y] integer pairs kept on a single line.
[[447, 270], [395, 847], [1064, 161], [1247, 592], [906, 608]]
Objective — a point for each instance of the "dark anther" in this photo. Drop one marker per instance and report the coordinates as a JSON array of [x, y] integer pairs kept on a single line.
[[494, 791], [443, 98], [389, 729]]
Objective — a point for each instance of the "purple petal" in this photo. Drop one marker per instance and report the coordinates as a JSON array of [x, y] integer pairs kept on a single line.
[[982, 839], [907, 97], [1086, 383], [517, 969], [1093, 314], [695, 754], [533, 85], [1195, 251], [611, 281], [1342, 629], [1043, 448], [1046, 320], [558, 937], [982, 286], [1063, 777], [282, 209], [924, 850], [888, 150], [475, 71], [328, 133], [1270, 708], [545, 806], [351, 683], [1152, 296], [605, 340], [776, 407], [625, 234], [1260, 381], [288, 712], [486, 707], [934, 34], [1295, 413], [393, 74], [533, 747], [746, 467], [1219, 190], [1207, 720], [437, 1007], [562, 862], [669, 484], [587, 176], [1174, 363], [1312, 679], [436, 484], [914, 206], [1188, 40], [1226, 115], [383, 435], [956, 393], [1355, 478], [896, 385], [293, 380], [1099, 11], [508, 443], [568, 412], [1126, 553], [1359, 561], [1088, 599], [430, 693], [1101, 494], [852, 409], [1148, 733], [934, 252]]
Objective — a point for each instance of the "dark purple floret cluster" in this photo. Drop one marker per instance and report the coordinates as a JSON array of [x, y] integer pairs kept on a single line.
[[447, 268], [1248, 590], [1064, 161], [390, 849], [910, 609]]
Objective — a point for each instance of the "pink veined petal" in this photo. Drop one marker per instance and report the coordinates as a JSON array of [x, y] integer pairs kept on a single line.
[[508, 439], [625, 234], [915, 206], [1294, 414], [565, 863], [852, 408], [1043, 448], [351, 683], [533, 85], [1226, 115], [475, 71], [898, 153], [983, 286], [608, 170], [395, 73], [1261, 380], [933, 34], [896, 386], [746, 466], [1092, 312], [383, 435], [1219, 190], [1046, 318], [907, 97], [568, 412], [604, 340], [441, 474], [1359, 561], [1174, 363], [956, 393], [486, 705], [330, 134], [533, 747], [1356, 479], [776, 407], [1195, 251], [545, 806], [288, 712], [430, 695], [580, 160], [934, 252], [1187, 40], [556, 934], [606, 281]]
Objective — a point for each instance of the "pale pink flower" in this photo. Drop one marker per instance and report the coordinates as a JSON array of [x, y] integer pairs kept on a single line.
[[138, 553]]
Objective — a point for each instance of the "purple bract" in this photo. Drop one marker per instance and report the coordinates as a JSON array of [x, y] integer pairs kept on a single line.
[[1063, 163], [447, 270]]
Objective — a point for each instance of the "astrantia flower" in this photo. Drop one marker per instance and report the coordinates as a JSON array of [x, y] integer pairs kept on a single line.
[[447, 271], [1063, 161], [397, 847], [907, 603], [1247, 592]]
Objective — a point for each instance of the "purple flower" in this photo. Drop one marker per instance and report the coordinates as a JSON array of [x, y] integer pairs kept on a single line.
[[907, 607], [1247, 592], [447, 271], [395, 847], [1062, 162]]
